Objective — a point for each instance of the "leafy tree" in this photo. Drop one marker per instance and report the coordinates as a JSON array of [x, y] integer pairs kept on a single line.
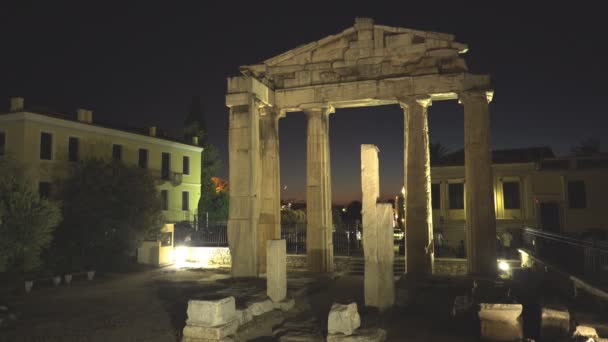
[[212, 205], [108, 209], [437, 152], [587, 147], [292, 217], [26, 220]]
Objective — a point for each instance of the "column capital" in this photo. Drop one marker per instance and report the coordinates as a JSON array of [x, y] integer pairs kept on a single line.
[[274, 112], [410, 101], [475, 95], [320, 108]]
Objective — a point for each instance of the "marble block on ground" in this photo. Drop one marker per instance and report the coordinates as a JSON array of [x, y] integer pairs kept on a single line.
[[260, 308], [276, 270], [585, 331], [343, 318], [211, 333], [501, 322], [210, 313], [284, 305]]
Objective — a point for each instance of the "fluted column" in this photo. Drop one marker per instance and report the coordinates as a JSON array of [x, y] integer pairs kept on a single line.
[[417, 179], [479, 205], [244, 178], [269, 227], [319, 242]]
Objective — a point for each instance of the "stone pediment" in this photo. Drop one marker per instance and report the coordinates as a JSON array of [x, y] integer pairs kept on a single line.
[[362, 52]]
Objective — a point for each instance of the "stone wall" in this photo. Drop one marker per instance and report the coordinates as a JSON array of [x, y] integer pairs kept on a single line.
[[450, 266], [297, 262]]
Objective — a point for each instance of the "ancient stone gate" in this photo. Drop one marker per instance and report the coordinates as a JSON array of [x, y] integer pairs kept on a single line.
[[364, 65]]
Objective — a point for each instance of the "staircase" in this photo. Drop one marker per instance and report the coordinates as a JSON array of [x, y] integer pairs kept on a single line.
[[357, 266]]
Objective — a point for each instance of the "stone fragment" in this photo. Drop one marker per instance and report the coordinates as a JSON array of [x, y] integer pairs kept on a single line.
[[343, 319], [276, 270], [585, 331], [501, 322], [555, 323], [285, 305], [260, 308], [499, 312], [244, 316], [361, 335], [211, 333], [193, 339], [210, 313]]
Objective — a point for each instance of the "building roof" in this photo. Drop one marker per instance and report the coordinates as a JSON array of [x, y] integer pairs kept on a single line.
[[516, 155], [160, 134]]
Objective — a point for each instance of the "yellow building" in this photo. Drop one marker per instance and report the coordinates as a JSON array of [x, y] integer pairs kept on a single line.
[[532, 188], [48, 143]]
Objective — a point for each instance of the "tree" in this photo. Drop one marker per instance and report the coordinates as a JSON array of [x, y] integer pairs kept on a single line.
[[26, 220], [212, 205], [437, 152], [293, 217], [108, 209], [587, 147], [195, 125]]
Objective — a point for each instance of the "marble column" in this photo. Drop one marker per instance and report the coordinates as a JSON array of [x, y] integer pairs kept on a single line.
[[269, 227], [479, 205], [417, 178], [319, 242], [244, 178]]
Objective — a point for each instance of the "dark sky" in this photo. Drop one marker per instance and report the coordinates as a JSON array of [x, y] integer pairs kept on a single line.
[[139, 64]]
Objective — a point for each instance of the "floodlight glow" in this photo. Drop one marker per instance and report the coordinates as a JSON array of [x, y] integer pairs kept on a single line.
[[180, 256], [503, 266]]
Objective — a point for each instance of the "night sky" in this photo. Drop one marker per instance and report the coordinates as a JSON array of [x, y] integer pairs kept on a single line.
[[140, 64]]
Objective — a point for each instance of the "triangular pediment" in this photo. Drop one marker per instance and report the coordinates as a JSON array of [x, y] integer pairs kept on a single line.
[[362, 52]]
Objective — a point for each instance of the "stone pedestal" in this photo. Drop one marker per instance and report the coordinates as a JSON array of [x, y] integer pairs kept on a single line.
[[211, 320], [479, 192], [379, 281], [276, 271], [244, 178], [319, 243], [269, 227], [417, 179], [501, 322]]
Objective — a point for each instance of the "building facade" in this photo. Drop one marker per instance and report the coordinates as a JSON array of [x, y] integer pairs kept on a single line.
[[532, 188], [49, 143]]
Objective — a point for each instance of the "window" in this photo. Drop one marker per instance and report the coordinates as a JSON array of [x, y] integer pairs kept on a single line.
[[436, 196], [117, 152], [46, 146], [165, 166], [44, 189], [510, 194], [143, 158], [186, 165], [577, 198], [164, 199], [73, 149], [2, 143], [456, 193], [185, 200]]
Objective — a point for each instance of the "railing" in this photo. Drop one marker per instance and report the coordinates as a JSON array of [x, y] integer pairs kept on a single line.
[[586, 258]]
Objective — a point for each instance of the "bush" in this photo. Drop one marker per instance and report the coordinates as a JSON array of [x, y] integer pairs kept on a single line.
[[108, 209], [26, 220]]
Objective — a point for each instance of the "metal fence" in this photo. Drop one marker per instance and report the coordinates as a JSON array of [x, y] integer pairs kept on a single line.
[[586, 258]]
